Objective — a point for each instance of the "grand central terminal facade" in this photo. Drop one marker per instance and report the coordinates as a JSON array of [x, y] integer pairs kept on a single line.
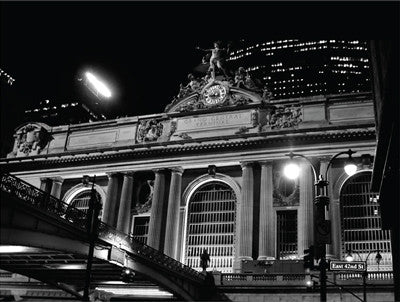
[[208, 174]]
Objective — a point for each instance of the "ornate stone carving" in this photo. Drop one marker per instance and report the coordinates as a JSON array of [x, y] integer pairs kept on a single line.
[[192, 105], [149, 130], [31, 139], [279, 117], [214, 91]]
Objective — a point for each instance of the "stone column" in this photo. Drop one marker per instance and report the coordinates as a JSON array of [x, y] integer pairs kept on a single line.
[[56, 187], [246, 213], [45, 184], [305, 222], [174, 202], [124, 212], [156, 216], [267, 222], [111, 199]]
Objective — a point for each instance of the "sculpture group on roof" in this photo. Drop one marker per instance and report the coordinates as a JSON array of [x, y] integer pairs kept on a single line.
[[214, 68]]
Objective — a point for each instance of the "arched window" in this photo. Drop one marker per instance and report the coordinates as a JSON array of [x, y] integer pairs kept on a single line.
[[81, 201], [361, 223], [211, 225]]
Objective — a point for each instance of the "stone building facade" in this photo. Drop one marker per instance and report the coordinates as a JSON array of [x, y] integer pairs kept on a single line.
[[207, 174]]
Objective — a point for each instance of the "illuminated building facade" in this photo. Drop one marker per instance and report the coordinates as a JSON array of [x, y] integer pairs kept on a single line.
[[294, 68], [207, 174]]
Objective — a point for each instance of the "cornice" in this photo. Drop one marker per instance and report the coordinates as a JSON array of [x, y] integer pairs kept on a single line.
[[244, 143]]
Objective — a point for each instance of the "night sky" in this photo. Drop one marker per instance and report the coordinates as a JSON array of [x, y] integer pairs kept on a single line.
[[145, 49]]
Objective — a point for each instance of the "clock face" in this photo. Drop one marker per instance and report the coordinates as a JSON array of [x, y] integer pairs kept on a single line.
[[215, 94]]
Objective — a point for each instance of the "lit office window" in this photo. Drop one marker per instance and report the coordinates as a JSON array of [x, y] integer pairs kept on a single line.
[[211, 226]]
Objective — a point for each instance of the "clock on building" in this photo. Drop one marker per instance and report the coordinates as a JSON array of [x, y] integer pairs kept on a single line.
[[214, 94]]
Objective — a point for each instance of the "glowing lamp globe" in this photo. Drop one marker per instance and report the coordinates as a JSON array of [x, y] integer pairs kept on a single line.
[[291, 171], [349, 258], [350, 169]]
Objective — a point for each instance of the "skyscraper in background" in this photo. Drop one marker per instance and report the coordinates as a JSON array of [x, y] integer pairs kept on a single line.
[[294, 68]]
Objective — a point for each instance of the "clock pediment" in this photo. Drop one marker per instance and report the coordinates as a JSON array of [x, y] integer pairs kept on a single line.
[[214, 94]]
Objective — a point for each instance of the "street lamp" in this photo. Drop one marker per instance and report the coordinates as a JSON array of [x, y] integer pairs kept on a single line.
[[321, 200], [378, 258], [92, 227]]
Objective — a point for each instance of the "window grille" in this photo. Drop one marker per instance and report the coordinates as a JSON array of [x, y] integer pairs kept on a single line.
[[211, 226], [361, 223], [81, 201], [140, 228], [287, 234]]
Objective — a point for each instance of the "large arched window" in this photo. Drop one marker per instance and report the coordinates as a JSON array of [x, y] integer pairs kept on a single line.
[[81, 200], [211, 225], [361, 222]]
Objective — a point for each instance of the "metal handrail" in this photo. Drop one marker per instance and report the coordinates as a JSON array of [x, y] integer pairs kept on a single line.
[[43, 200]]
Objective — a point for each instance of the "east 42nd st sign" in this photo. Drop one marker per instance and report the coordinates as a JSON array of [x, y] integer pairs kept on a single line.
[[347, 266]]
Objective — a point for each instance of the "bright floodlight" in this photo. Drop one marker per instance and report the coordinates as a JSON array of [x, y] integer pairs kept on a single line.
[[291, 171], [350, 169], [98, 85]]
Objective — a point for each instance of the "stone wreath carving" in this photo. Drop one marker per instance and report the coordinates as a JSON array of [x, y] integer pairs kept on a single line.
[[146, 206], [282, 196]]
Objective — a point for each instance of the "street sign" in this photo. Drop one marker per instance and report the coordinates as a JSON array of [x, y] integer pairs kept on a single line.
[[323, 232], [354, 266]]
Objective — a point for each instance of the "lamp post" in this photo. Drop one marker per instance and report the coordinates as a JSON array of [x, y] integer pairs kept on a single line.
[[92, 226], [321, 201], [378, 259]]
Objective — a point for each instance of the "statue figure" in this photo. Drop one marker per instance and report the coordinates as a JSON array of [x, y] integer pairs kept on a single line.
[[204, 260], [240, 77], [194, 84], [217, 58]]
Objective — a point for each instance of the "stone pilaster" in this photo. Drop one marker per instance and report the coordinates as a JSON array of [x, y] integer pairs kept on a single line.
[[267, 232], [305, 222], [111, 199], [124, 212], [56, 187], [174, 201], [246, 213], [157, 207]]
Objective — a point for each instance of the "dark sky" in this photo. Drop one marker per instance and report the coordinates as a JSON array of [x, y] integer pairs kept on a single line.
[[145, 49]]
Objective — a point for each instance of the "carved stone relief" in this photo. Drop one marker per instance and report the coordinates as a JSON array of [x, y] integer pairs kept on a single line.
[[31, 140], [149, 131], [280, 117]]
